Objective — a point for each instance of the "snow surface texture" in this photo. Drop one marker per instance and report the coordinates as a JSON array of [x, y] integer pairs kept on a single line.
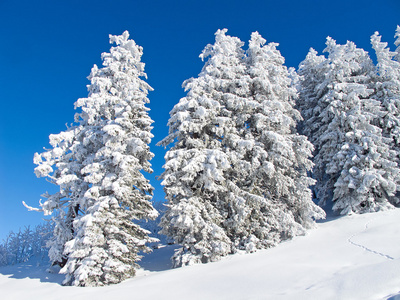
[[353, 257]]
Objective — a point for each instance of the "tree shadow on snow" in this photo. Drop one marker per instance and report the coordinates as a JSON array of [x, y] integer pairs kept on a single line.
[[329, 218], [158, 260], [330, 214], [395, 297], [33, 269]]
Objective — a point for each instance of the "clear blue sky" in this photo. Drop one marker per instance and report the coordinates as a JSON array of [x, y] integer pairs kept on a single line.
[[48, 48]]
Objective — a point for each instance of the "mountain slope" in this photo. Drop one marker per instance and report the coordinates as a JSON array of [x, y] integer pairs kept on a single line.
[[353, 257]]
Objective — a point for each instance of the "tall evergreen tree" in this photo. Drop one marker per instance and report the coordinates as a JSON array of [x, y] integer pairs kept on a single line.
[[274, 127], [312, 74], [62, 167], [99, 165], [196, 165], [354, 164], [313, 85], [235, 177], [270, 170], [387, 90]]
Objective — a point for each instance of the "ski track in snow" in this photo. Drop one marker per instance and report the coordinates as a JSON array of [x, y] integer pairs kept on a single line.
[[350, 240]]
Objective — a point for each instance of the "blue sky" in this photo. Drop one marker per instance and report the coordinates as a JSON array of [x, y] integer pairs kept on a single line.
[[48, 48]]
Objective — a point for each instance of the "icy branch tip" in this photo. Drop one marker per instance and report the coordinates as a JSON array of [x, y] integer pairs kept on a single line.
[[30, 208]]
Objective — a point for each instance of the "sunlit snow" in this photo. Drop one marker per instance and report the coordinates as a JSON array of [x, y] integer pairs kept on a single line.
[[352, 257]]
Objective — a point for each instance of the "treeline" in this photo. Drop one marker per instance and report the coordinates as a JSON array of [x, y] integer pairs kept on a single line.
[[20, 246]]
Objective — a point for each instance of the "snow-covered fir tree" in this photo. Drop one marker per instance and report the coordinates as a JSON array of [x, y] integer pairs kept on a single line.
[[269, 169], [61, 167], [235, 177], [354, 164], [312, 74], [227, 68], [387, 90], [311, 88], [98, 166], [275, 159], [196, 165]]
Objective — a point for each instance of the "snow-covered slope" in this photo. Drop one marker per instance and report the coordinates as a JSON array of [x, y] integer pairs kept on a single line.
[[353, 257]]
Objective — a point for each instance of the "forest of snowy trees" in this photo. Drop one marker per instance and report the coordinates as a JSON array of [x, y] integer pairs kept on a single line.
[[351, 115], [20, 246], [255, 153]]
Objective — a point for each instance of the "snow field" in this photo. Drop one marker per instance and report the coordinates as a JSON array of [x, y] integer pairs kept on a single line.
[[352, 257]]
